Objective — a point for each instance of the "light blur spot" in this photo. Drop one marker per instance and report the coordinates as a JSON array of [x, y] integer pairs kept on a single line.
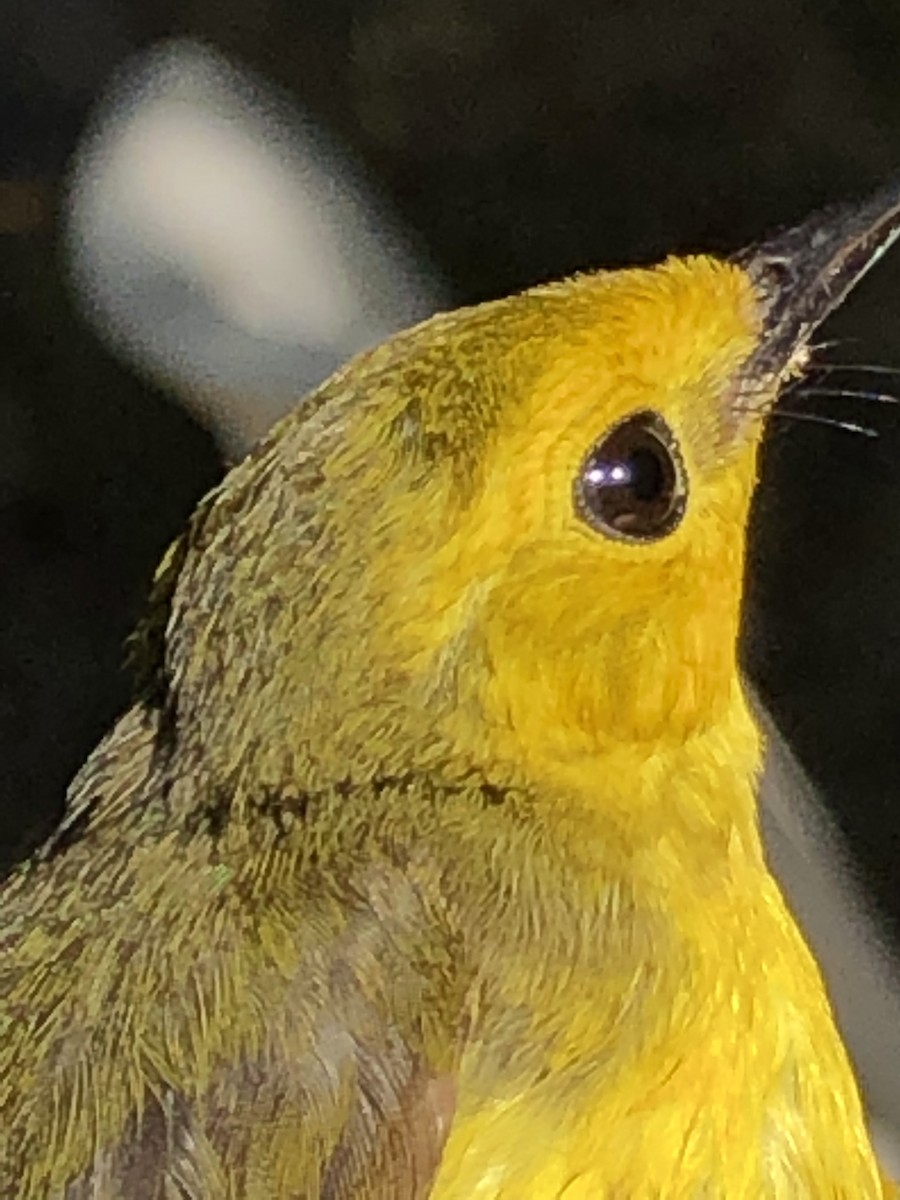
[[216, 238]]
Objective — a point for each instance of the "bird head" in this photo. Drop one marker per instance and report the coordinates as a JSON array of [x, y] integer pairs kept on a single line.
[[514, 532]]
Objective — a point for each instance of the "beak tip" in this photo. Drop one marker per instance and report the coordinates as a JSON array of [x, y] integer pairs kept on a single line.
[[802, 274]]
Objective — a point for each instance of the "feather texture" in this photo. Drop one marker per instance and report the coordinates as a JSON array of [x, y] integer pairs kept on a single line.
[[426, 863]]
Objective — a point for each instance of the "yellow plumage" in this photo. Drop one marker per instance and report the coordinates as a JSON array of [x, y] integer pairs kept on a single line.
[[426, 863]]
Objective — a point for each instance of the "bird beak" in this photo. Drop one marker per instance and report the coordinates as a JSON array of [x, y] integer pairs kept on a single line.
[[802, 275]]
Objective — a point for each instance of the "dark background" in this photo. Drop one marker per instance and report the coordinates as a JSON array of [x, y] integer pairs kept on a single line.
[[519, 140]]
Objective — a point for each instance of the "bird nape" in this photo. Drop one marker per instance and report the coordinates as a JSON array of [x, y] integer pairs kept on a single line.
[[426, 861]]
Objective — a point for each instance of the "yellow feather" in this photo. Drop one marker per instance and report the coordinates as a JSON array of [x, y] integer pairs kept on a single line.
[[426, 862]]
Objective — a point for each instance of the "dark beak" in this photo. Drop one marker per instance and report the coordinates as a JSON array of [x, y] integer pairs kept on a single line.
[[804, 273]]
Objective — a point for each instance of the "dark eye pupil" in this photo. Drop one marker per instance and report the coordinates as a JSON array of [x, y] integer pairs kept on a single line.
[[632, 483]]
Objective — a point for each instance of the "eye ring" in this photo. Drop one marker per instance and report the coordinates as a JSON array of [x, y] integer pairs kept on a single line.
[[632, 485]]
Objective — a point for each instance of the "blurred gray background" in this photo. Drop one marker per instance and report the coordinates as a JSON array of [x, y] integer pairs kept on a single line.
[[513, 142]]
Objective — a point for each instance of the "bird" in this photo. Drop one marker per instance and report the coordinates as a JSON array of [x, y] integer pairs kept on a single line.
[[426, 861]]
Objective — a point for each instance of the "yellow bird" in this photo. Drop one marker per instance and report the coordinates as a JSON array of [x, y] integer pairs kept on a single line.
[[426, 862]]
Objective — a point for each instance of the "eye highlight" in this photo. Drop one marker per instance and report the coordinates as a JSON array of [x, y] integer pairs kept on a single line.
[[632, 486]]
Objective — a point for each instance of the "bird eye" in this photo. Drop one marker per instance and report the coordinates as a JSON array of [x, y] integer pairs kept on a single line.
[[632, 486]]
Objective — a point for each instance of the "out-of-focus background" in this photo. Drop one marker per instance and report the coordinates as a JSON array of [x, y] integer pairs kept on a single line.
[[194, 232]]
